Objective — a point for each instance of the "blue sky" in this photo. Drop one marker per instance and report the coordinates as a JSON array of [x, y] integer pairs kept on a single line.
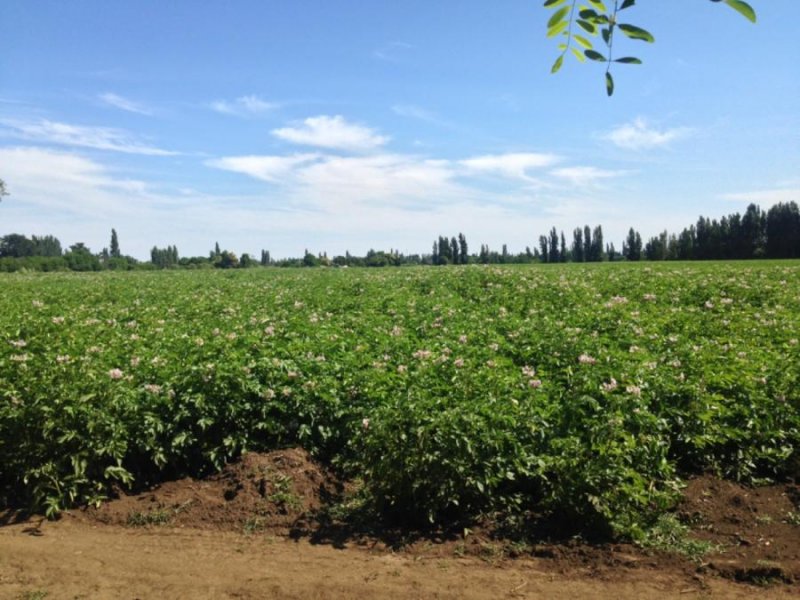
[[349, 125]]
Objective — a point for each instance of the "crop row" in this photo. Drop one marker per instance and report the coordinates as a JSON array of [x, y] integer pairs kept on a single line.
[[579, 391]]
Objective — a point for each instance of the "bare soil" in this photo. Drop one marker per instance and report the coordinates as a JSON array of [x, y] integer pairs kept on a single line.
[[257, 530]]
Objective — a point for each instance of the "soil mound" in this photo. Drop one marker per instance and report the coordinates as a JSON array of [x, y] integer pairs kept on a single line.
[[755, 531], [272, 492]]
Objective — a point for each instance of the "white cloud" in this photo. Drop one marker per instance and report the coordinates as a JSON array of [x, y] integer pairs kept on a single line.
[[333, 133], [414, 112], [100, 138], [639, 135], [392, 51], [511, 165], [582, 176], [125, 104], [766, 198], [243, 106], [267, 168], [65, 182]]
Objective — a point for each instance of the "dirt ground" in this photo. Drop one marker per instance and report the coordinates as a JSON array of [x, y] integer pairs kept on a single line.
[[251, 532]]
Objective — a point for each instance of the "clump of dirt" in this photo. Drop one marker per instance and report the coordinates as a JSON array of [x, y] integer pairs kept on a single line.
[[752, 534], [755, 532], [275, 492]]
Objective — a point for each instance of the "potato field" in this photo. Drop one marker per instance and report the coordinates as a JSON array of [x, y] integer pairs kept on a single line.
[[583, 392]]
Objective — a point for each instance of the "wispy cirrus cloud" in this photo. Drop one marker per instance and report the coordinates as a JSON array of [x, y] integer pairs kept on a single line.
[[331, 132], [274, 169], [125, 104], [243, 106], [392, 51], [640, 135], [516, 165], [98, 138], [583, 176], [412, 111]]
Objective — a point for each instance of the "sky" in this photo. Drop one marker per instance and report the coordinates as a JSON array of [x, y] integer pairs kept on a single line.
[[344, 125]]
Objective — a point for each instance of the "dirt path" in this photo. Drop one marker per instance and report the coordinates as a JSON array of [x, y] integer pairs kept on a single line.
[[74, 558]]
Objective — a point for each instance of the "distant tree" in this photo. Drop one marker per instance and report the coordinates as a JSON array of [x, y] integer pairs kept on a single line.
[[164, 258], [80, 258], [46, 246], [455, 251], [596, 251], [504, 255], [577, 245], [246, 261], [3, 190], [16, 245], [783, 231], [553, 255], [309, 260], [587, 243], [228, 260], [753, 233], [483, 257], [632, 248], [563, 252], [115, 253], [463, 249], [544, 248]]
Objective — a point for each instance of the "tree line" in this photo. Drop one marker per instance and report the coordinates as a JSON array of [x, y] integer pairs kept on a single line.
[[756, 234]]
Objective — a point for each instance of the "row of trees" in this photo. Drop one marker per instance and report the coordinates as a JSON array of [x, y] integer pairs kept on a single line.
[[755, 234]]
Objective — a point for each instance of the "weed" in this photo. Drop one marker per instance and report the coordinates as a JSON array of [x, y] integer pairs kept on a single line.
[[670, 535], [792, 517], [156, 516]]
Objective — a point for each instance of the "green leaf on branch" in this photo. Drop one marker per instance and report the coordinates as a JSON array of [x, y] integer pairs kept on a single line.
[[594, 55], [637, 33], [609, 84], [586, 25], [557, 17], [627, 4], [559, 27], [628, 60], [553, 3], [743, 8], [557, 65], [578, 54]]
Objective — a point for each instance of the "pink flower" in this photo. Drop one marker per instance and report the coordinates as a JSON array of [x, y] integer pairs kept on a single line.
[[585, 359], [115, 374], [634, 390], [459, 362], [535, 383], [610, 386]]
